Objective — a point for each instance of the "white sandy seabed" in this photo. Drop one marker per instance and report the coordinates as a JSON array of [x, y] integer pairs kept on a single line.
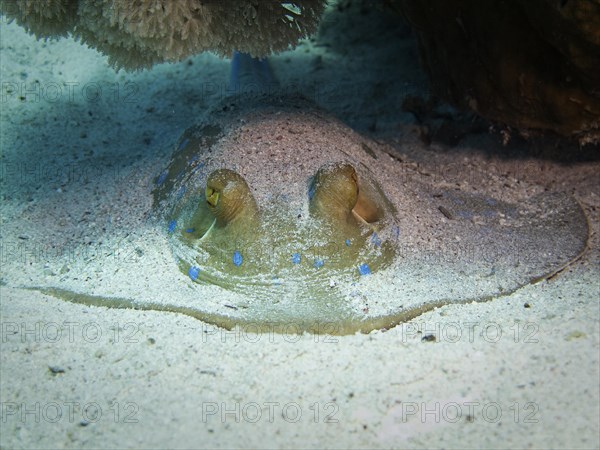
[[519, 371]]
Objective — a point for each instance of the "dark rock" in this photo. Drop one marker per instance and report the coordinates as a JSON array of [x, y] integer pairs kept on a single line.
[[530, 64]]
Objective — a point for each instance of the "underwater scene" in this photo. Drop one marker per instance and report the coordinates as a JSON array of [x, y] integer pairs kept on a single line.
[[311, 224]]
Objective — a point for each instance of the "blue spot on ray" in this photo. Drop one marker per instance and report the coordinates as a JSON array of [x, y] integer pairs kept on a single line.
[[172, 225], [193, 272], [180, 193], [296, 258], [319, 263], [162, 177], [364, 269], [311, 191], [375, 240], [237, 258], [347, 242], [189, 230]]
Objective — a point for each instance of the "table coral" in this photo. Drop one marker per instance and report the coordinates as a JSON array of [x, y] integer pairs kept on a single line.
[[140, 33]]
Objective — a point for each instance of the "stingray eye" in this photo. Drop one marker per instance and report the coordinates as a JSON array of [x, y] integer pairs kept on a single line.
[[212, 196], [228, 197], [334, 191]]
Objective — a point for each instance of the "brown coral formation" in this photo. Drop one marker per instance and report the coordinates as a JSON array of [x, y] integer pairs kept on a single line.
[[44, 18], [530, 64], [140, 33]]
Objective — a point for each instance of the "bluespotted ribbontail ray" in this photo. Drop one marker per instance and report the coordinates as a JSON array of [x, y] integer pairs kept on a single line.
[[282, 218]]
